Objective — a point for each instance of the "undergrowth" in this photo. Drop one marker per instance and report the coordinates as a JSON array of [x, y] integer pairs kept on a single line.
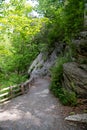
[[67, 98], [12, 79]]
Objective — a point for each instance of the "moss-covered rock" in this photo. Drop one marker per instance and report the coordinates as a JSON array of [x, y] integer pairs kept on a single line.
[[75, 79]]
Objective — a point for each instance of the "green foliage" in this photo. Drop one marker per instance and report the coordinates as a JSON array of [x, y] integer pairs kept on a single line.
[[57, 74], [73, 17], [68, 98], [11, 79], [66, 20], [17, 45], [56, 84], [52, 31]]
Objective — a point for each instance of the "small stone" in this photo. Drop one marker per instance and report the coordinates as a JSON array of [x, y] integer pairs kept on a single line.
[[77, 118]]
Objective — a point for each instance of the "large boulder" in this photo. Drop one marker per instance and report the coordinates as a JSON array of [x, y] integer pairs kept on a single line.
[[75, 78], [42, 64]]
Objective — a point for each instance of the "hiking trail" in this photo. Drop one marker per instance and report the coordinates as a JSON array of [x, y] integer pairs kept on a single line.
[[36, 110]]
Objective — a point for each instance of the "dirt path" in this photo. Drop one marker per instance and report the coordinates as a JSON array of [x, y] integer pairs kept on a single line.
[[36, 110]]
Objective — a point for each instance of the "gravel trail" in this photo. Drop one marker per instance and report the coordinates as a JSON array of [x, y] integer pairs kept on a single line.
[[36, 110]]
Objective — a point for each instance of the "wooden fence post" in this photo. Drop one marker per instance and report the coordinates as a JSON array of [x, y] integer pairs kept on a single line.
[[22, 89], [11, 93]]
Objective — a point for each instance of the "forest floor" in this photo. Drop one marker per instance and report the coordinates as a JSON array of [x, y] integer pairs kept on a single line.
[[38, 110]]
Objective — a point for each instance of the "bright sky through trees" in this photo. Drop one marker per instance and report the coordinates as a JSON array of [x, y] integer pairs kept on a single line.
[[32, 3]]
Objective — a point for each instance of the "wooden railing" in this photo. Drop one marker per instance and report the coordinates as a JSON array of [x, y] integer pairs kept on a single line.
[[14, 91]]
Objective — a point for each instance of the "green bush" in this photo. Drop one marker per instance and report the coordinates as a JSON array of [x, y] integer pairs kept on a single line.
[[66, 19], [67, 98], [74, 17], [12, 79]]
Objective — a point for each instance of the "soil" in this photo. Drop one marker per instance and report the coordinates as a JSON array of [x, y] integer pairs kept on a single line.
[[38, 110]]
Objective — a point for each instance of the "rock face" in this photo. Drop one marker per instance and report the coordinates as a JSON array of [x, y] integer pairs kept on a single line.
[[75, 73], [75, 78], [81, 47], [42, 64]]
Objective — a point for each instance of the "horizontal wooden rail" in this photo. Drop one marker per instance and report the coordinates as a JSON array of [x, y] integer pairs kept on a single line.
[[14, 91], [10, 97], [4, 89], [5, 99], [4, 94], [10, 92]]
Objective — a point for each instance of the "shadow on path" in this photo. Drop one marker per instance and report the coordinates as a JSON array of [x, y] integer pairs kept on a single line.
[[36, 110]]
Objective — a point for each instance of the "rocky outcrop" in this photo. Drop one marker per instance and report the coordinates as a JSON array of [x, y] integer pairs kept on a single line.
[[80, 46], [75, 73], [75, 78], [42, 64]]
